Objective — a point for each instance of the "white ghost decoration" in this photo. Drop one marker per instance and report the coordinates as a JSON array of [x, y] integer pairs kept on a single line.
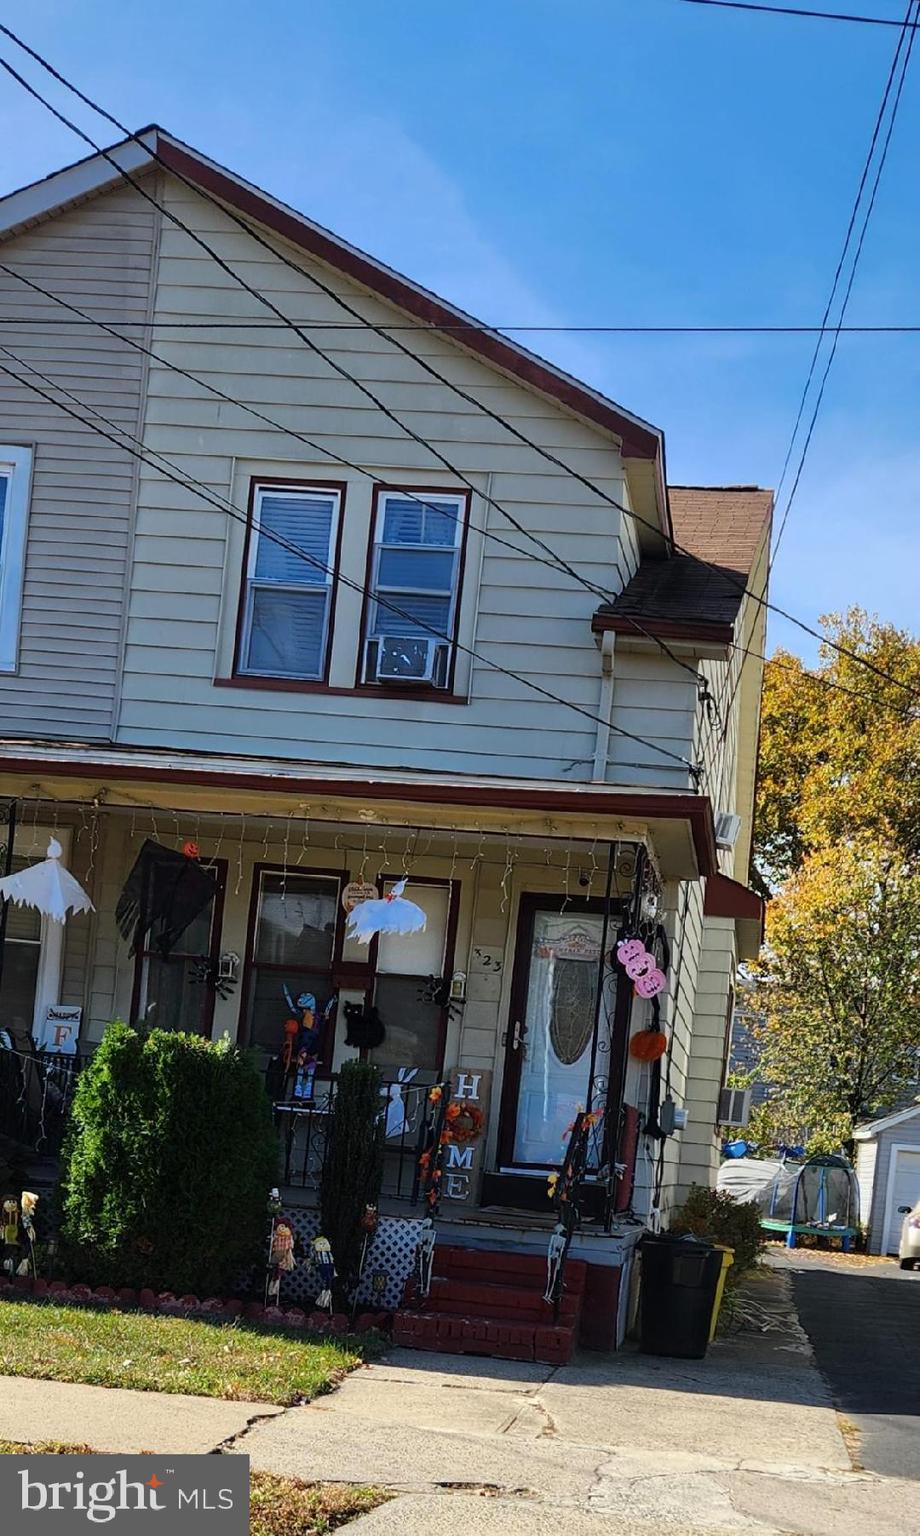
[[389, 914], [48, 887]]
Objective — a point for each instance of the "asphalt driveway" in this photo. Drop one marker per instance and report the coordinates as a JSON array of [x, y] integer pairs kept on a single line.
[[864, 1325]]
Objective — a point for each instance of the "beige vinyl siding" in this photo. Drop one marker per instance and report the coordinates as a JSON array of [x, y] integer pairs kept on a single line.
[[98, 256], [655, 699], [516, 612], [699, 1142]]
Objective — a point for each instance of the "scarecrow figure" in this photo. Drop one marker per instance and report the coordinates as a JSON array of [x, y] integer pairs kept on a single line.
[[325, 1265]]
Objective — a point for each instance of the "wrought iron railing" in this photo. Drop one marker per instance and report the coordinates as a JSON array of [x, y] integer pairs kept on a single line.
[[407, 1111], [36, 1090]]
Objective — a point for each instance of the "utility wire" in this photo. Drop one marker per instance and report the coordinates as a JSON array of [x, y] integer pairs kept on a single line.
[[278, 254], [905, 45], [796, 10], [912, 9], [129, 444], [337, 458], [496, 327]]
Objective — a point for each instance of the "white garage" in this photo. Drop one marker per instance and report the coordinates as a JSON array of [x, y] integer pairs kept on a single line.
[[888, 1169]]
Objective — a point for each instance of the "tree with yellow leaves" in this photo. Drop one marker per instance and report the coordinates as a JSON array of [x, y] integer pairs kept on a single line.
[[837, 841], [838, 992]]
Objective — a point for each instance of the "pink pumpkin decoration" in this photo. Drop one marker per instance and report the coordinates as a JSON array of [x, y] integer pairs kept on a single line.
[[653, 982], [629, 949], [640, 966]]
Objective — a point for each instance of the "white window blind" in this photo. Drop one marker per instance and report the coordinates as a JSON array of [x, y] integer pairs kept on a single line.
[[289, 585], [15, 477], [416, 564]]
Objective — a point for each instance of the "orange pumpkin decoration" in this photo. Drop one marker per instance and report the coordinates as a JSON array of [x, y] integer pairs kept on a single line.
[[648, 1045]]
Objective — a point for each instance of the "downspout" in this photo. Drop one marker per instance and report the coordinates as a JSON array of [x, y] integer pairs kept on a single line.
[[605, 708]]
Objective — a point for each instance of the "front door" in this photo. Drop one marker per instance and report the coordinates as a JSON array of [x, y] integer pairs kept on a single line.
[[550, 1043]]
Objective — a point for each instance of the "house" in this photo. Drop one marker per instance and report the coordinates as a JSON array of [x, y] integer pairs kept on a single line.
[[308, 573], [888, 1170]]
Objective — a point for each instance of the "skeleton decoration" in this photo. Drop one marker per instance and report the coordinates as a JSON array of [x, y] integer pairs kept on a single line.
[[424, 1256]]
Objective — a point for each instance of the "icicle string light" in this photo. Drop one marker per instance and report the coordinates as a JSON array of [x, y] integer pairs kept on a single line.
[[304, 838], [565, 877], [239, 856], [453, 861], [93, 842], [220, 837]]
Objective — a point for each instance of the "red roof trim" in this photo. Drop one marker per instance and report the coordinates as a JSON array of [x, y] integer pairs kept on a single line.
[[729, 898], [638, 441], [693, 809], [708, 632]]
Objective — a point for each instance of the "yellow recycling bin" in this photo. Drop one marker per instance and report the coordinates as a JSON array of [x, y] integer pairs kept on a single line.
[[728, 1259]]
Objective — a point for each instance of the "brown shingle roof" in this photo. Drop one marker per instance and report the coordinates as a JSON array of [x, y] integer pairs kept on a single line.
[[721, 523], [720, 526]]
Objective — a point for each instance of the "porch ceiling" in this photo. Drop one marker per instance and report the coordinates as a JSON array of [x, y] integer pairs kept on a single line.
[[678, 825]]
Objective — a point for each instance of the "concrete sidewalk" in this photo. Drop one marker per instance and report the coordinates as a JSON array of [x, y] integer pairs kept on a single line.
[[744, 1441]]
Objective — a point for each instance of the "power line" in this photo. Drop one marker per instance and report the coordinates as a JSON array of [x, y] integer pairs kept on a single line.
[[337, 458], [261, 298], [129, 444], [482, 327], [793, 10], [279, 255], [326, 453], [912, 8], [906, 36]]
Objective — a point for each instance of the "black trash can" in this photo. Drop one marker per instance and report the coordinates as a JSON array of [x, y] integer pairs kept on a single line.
[[679, 1279]]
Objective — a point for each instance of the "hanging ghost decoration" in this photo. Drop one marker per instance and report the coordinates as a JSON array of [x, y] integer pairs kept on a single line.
[[392, 913], [165, 888], [48, 887]]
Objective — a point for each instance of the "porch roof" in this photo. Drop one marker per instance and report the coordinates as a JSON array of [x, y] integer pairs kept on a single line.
[[681, 822]]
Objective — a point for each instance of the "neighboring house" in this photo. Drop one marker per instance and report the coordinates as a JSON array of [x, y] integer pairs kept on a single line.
[[744, 1053], [550, 771], [888, 1170]]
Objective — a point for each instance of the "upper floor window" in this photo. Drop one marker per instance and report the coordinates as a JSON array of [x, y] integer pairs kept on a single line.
[[412, 608], [288, 596], [15, 475]]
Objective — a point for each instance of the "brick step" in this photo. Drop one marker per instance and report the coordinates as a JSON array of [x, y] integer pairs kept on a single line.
[[479, 1298], [496, 1337], [517, 1269]]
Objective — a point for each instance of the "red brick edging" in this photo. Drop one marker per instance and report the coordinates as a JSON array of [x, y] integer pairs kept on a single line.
[[218, 1308]]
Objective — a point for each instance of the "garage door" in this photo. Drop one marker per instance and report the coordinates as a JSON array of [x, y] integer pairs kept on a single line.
[[905, 1189]]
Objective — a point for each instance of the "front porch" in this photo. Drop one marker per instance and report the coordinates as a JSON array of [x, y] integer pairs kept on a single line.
[[511, 994]]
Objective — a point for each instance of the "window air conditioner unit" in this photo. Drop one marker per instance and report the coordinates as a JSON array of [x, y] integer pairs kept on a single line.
[[728, 827], [734, 1106], [407, 659]]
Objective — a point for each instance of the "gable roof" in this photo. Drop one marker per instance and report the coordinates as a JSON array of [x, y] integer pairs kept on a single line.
[[685, 596], [151, 146], [874, 1127], [722, 523]]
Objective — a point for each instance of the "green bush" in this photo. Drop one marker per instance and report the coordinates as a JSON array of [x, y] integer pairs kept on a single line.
[[354, 1166], [167, 1163], [720, 1218]]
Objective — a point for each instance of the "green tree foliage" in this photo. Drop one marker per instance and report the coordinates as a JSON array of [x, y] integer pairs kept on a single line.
[[838, 988], [837, 841], [354, 1165], [167, 1164], [842, 762]]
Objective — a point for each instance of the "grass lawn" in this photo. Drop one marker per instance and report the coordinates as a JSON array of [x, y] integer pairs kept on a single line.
[[167, 1354], [278, 1506]]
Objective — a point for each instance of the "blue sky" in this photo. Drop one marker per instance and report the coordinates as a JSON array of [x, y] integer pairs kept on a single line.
[[599, 161]]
